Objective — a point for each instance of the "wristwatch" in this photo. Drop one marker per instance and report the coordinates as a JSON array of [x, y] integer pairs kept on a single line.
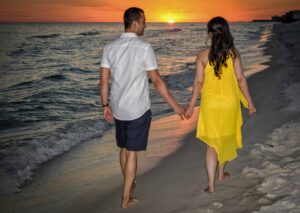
[[105, 105]]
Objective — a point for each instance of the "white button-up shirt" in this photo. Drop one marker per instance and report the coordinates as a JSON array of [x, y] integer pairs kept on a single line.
[[129, 58]]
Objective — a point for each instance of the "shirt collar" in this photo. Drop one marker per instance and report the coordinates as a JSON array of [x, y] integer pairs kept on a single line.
[[128, 35]]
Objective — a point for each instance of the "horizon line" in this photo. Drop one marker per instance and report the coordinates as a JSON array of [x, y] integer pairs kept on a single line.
[[112, 22]]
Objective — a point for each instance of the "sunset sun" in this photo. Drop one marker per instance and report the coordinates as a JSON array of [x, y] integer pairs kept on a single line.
[[171, 21], [170, 17]]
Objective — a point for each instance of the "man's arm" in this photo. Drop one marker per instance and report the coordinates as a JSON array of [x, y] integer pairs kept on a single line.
[[104, 79], [163, 90]]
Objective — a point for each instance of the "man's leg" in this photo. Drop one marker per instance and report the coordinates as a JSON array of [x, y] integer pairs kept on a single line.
[[137, 132], [129, 177], [122, 159], [122, 165]]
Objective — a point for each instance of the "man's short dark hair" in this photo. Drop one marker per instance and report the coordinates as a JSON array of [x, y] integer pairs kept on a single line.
[[132, 14]]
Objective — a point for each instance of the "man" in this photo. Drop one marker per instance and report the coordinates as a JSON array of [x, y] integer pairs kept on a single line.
[[128, 60]]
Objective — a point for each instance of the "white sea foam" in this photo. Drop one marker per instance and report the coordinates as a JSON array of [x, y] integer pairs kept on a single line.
[[279, 170], [17, 164]]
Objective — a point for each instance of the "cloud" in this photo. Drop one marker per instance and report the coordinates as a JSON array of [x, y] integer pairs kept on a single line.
[[258, 9], [76, 3], [82, 3]]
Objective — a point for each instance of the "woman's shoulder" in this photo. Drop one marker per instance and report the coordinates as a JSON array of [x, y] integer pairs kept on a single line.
[[203, 55], [203, 52], [234, 53]]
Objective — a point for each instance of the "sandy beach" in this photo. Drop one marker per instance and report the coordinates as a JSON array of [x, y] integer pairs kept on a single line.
[[172, 176]]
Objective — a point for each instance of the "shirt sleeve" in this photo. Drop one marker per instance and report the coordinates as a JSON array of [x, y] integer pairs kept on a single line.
[[105, 61], [150, 60]]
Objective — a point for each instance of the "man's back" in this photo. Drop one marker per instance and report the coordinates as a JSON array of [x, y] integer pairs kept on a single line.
[[129, 58], [125, 61]]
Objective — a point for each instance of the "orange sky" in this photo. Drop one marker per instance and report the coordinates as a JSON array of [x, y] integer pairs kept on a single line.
[[155, 10]]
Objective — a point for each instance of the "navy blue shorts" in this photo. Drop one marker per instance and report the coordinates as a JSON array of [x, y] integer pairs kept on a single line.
[[133, 135]]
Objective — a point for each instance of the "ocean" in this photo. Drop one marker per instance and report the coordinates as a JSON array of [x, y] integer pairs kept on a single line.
[[49, 83]]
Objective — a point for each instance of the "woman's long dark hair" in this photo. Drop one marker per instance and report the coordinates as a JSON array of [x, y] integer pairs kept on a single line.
[[221, 44]]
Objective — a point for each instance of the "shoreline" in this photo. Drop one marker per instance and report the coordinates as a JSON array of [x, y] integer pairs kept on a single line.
[[44, 141]]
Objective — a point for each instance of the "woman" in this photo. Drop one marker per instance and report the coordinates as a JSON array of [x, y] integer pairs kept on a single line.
[[220, 79]]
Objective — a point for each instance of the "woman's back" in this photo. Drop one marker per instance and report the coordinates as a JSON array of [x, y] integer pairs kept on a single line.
[[224, 87]]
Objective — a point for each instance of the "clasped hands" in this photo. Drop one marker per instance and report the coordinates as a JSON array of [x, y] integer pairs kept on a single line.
[[184, 113]]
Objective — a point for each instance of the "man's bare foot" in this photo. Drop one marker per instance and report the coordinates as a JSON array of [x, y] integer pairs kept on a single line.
[[222, 177], [130, 203], [132, 190], [208, 190], [132, 199]]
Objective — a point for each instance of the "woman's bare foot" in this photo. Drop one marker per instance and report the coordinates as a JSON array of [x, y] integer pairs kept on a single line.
[[209, 190], [223, 176], [129, 203]]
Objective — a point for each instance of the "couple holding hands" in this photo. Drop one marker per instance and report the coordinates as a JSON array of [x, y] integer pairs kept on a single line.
[[129, 61]]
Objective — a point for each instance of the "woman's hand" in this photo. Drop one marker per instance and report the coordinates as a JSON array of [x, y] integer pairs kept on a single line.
[[251, 110], [189, 112]]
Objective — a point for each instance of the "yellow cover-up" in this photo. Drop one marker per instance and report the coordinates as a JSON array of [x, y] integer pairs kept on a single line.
[[220, 117]]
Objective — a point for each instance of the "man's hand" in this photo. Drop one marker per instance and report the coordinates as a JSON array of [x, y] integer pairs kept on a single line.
[[189, 112], [107, 113], [180, 111]]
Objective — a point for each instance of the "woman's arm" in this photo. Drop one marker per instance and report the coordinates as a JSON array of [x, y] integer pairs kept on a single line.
[[197, 86], [242, 82]]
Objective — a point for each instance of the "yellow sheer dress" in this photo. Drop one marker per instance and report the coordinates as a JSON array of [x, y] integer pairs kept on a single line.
[[220, 117]]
